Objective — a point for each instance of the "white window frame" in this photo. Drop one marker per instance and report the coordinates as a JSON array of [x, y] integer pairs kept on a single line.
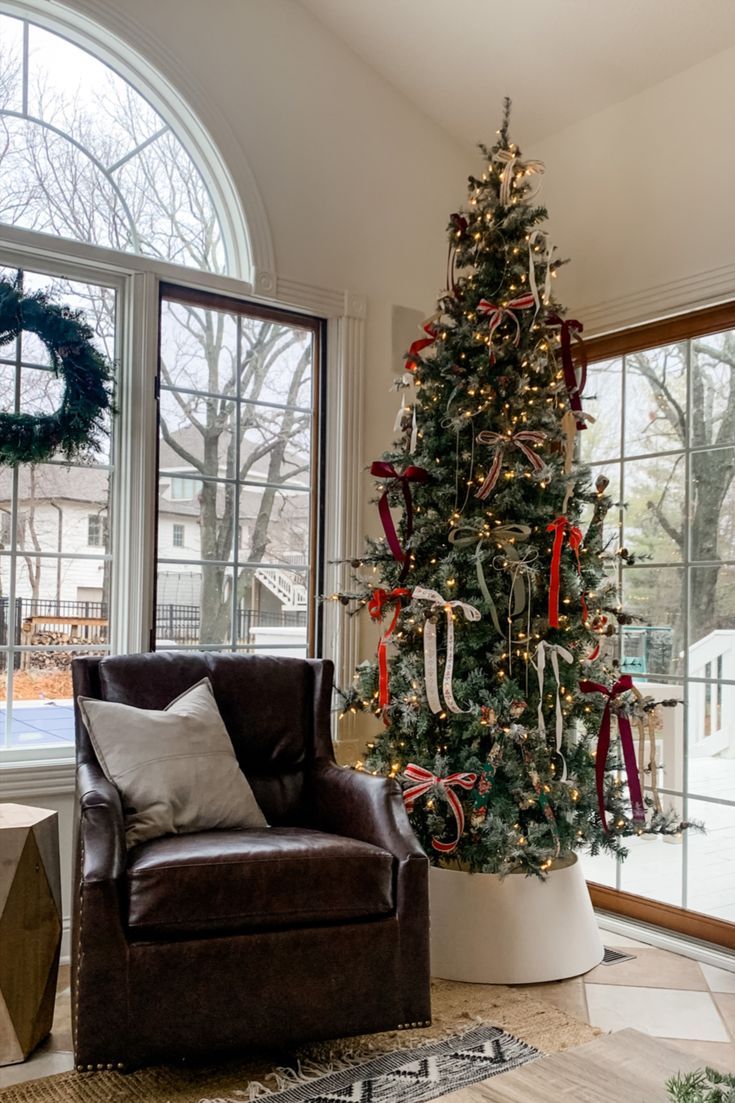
[[133, 501]]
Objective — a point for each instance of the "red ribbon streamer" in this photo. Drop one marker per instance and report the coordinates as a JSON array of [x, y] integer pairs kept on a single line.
[[561, 527], [383, 470], [421, 343], [426, 781], [376, 605], [625, 682], [497, 313], [570, 328]]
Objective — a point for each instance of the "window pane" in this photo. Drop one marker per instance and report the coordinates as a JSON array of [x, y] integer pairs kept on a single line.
[[711, 617], [711, 870], [55, 504], [92, 160], [713, 358], [712, 527], [42, 711], [654, 597], [655, 400], [711, 737], [654, 868], [603, 399], [251, 429], [654, 517]]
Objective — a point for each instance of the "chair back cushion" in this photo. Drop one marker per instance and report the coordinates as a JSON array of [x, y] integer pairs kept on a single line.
[[276, 711]]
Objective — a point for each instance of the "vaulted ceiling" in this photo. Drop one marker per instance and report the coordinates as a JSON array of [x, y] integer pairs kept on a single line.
[[559, 60]]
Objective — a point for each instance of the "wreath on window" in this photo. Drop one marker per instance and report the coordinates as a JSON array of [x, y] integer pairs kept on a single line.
[[75, 428]]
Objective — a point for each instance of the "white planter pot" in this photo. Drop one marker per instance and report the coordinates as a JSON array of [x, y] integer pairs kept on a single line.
[[518, 930]]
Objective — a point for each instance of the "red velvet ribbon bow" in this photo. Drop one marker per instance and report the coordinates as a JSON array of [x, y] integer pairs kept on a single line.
[[376, 606], [625, 682], [570, 328], [496, 314], [383, 470], [421, 343], [562, 527], [426, 781]]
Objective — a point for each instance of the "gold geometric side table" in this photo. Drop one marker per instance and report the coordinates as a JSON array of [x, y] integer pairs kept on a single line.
[[30, 927]]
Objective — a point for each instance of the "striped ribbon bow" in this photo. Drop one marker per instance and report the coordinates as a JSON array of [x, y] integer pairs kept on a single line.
[[501, 444], [509, 159], [431, 676], [496, 314], [425, 782]]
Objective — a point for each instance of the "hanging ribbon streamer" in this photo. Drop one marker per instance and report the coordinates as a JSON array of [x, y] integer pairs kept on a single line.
[[386, 471], [623, 684], [509, 159], [543, 797], [522, 570], [554, 651], [569, 429], [459, 226], [501, 444], [403, 410], [376, 606], [496, 314], [420, 344], [574, 381], [504, 537], [539, 236], [425, 782], [562, 528], [430, 655], [645, 714]]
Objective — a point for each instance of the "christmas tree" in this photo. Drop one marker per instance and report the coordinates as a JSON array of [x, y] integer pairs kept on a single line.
[[495, 676]]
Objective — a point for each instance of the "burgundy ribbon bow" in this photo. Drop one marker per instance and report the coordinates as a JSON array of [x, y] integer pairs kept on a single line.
[[570, 328], [625, 682], [496, 314], [562, 527], [376, 606], [383, 470], [500, 443], [426, 781]]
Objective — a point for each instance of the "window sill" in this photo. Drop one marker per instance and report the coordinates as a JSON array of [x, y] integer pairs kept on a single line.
[[36, 779]]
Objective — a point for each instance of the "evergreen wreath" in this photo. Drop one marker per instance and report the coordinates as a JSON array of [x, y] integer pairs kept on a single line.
[[76, 426]]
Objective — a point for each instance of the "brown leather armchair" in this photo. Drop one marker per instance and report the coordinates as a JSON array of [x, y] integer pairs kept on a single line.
[[313, 928]]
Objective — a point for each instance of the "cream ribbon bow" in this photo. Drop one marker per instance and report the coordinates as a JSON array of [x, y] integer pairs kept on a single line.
[[509, 159]]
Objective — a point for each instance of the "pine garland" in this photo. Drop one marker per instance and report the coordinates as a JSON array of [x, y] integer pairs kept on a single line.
[[75, 428]]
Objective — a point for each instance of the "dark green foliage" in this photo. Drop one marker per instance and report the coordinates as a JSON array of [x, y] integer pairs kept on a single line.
[[529, 816], [76, 426]]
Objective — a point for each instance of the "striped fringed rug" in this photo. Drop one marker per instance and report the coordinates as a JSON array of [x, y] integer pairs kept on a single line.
[[404, 1076]]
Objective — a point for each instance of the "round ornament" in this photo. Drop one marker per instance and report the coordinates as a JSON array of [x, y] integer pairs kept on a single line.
[[77, 424]]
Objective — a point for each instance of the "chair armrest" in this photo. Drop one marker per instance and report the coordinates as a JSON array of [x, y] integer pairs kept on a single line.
[[362, 806], [101, 826]]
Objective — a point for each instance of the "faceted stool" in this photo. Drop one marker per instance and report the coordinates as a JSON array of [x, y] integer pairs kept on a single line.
[[30, 927]]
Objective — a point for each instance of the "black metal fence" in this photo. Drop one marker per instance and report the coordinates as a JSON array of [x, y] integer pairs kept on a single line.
[[178, 623]]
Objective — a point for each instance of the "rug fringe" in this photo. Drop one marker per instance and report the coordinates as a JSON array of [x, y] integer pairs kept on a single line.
[[338, 1060]]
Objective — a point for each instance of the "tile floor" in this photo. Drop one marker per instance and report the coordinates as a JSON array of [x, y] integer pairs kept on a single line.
[[660, 993]]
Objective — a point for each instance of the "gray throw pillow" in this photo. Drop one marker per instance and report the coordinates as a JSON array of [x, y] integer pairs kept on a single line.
[[176, 768]]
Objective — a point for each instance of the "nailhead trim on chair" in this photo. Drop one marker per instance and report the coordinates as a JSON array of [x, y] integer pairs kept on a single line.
[[412, 1026]]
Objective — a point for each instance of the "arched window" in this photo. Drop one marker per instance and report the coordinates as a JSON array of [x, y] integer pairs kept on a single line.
[[83, 155]]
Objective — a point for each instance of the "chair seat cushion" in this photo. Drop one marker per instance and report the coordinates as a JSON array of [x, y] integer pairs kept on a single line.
[[190, 885]]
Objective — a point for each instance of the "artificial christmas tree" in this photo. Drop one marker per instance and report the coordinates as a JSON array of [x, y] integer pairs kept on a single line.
[[495, 676]]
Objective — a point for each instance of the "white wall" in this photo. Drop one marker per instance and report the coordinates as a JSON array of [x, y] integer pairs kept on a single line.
[[640, 197]]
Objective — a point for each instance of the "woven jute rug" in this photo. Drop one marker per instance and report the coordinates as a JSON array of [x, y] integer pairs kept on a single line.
[[457, 1008]]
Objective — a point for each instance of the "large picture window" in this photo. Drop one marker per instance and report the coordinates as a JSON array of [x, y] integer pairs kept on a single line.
[[238, 466], [664, 397]]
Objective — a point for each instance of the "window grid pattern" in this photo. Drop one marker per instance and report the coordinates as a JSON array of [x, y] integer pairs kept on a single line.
[[705, 686]]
